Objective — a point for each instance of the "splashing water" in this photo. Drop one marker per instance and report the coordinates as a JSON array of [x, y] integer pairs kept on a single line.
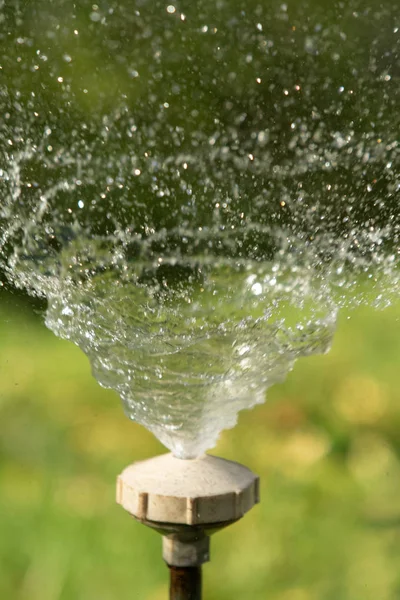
[[198, 188]]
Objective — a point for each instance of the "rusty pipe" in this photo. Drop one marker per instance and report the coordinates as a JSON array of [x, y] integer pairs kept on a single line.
[[185, 583]]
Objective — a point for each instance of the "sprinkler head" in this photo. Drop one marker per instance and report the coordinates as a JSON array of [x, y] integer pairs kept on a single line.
[[187, 501]]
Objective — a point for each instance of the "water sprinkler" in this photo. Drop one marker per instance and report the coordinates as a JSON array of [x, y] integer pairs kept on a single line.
[[187, 501]]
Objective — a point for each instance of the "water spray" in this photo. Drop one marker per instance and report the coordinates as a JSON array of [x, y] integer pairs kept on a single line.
[[197, 196]]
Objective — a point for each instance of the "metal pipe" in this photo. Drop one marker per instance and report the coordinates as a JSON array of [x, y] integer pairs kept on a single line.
[[185, 583]]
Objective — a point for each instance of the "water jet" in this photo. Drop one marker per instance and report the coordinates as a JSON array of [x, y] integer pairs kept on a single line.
[[196, 204]]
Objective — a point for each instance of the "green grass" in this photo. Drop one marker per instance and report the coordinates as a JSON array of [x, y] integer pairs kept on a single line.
[[326, 444]]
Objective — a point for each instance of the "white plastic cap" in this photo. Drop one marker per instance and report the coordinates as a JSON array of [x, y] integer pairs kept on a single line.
[[202, 491]]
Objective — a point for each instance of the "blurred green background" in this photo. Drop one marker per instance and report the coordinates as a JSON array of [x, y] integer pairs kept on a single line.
[[326, 445]]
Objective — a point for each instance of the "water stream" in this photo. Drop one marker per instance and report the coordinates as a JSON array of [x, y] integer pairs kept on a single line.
[[198, 188]]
